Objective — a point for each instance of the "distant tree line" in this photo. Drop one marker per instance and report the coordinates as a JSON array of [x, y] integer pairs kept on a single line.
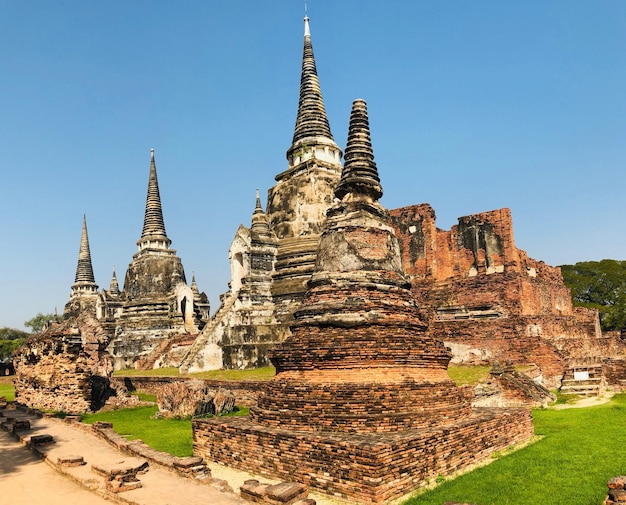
[[11, 339], [599, 285]]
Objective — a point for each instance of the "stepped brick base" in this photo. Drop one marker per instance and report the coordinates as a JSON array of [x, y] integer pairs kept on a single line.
[[366, 467]]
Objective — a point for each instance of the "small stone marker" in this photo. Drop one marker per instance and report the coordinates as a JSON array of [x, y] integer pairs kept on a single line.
[[285, 493], [69, 461], [37, 440], [21, 425]]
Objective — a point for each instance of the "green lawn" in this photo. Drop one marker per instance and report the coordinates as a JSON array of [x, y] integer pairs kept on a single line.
[[264, 373], [463, 375], [7, 389], [580, 451], [168, 435]]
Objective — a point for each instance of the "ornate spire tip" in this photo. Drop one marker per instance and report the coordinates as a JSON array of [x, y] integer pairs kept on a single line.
[[307, 30]]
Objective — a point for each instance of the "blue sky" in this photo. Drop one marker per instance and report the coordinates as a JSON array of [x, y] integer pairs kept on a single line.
[[473, 106]]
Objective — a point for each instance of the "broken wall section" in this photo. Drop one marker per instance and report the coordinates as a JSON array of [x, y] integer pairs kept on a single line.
[[65, 368]]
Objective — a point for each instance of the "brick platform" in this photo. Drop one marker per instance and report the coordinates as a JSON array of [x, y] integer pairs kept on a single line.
[[370, 468]]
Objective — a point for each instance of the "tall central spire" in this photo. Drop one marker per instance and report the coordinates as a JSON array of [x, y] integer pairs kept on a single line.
[[311, 120], [153, 234]]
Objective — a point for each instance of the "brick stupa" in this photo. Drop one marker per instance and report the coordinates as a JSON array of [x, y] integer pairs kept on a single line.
[[361, 404]]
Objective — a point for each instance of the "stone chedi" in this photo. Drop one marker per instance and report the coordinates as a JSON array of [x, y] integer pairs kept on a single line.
[[361, 404], [270, 268], [156, 304]]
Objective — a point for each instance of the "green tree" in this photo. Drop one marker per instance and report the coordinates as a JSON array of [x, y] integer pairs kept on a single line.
[[599, 285], [7, 333], [39, 322], [10, 340]]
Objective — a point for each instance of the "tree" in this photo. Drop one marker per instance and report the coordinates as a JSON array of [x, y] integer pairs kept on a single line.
[[39, 322], [7, 333], [599, 285], [10, 340]]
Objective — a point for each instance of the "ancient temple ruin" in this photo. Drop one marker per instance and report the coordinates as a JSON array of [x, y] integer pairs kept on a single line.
[[156, 311], [361, 404], [156, 302], [270, 269], [486, 298]]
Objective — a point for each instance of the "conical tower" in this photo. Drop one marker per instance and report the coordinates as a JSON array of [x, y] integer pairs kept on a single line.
[[84, 281], [155, 268], [114, 287], [156, 303], [153, 235], [297, 204], [358, 329], [260, 227]]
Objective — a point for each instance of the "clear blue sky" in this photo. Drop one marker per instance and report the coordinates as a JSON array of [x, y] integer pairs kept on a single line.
[[473, 105]]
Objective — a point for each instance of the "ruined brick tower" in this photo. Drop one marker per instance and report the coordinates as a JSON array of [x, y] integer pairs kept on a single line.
[[361, 404], [269, 270]]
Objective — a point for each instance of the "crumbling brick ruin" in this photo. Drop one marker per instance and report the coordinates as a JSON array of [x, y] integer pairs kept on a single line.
[[65, 368], [361, 404]]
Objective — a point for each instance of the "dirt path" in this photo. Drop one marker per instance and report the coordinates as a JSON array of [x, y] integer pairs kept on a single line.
[[27, 479]]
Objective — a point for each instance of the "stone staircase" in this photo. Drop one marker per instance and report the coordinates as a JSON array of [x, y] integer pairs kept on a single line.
[[584, 379]]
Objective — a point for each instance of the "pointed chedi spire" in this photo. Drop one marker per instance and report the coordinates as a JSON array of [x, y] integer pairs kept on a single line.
[[312, 126], [153, 234], [114, 287], [194, 285], [260, 227], [84, 282], [360, 175], [311, 120]]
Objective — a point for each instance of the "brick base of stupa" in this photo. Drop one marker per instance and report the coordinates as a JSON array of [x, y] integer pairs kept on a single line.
[[366, 468]]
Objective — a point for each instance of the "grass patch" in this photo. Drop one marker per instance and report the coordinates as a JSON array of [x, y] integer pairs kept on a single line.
[[173, 436], [570, 465], [463, 375], [168, 435], [7, 389], [564, 399], [256, 374], [157, 372], [144, 397]]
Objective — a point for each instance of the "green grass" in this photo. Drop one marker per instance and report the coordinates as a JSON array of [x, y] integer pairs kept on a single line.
[[158, 372], [579, 452], [256, 374], [173, 436], [468, 375], [7, 389], [167, 435]]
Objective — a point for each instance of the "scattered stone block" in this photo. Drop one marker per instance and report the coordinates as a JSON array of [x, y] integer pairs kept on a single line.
[[121, 483], [618, 482], [70, 461], [617, 491], [102, 425], [21, 425], [121, 468], [284, 493], [37, 440]]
